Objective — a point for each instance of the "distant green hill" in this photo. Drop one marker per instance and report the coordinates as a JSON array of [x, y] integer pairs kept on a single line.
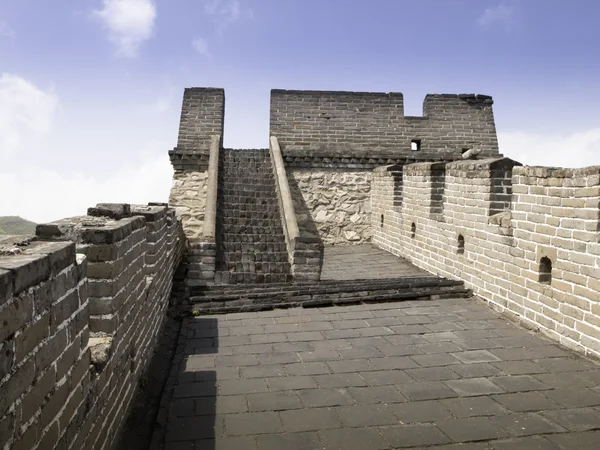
[[16, 225]]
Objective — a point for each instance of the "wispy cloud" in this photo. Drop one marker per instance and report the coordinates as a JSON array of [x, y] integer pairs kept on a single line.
[[560, 150], [502, 14], [6, 30], [226, 12], [201, 46], [130, 23], [26, 113]]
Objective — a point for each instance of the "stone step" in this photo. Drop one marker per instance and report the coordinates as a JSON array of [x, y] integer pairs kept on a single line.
[[253, 249], [250, 241], [224, 299], [244, 278]]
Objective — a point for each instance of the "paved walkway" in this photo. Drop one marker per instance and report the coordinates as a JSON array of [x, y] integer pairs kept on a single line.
[[353, 262], [425, 374]]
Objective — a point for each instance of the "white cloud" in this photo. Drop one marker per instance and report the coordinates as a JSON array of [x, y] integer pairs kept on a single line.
[[201, 46], [501, 14], [579, 149], [26, 113], [129, 22], [6, 30], [43, 195], [225, 12]]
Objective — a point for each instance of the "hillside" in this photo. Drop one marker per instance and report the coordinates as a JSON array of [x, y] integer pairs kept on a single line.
[[16, 225]]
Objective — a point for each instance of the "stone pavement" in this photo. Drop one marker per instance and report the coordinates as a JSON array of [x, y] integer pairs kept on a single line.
[[422, 374], [365, 261]]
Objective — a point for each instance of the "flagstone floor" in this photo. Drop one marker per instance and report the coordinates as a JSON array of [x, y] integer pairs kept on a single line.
[[422, 374]]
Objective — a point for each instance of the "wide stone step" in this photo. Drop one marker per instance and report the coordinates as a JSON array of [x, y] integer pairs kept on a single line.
[[252, 248], [224, 299], [245, 278]]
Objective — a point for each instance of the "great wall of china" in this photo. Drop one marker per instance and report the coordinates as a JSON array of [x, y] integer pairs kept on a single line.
[[83, 304]]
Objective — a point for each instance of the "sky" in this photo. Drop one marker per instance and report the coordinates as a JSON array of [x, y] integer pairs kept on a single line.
[[91, 90]]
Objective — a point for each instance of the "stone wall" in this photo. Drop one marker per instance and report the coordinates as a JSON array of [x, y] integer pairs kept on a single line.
[[334, 205], [188, 197], [553, 217], [81, 309], [355, 122]]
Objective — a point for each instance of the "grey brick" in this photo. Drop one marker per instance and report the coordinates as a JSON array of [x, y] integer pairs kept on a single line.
[[432, 374], [291, 383], [366, 415], [222, 404], [348, 438], [415, 412], [476, 370], [474, 386], [315, 398], [309, 419], [435, 360], [190, 428], [578, 419], [263, 371], [228, 443], [519, 367], [527, 424], [526, 443], [351, 365], [586, 440], [340, 380], [526, 401], [471, 429], [383, 377], [405, 436], [250, 386], [273, 401], [475, 356], [574, 398], [253, 423], [473, 406], [394, 362], [519, 383], [289, 441], [376, 394], [309, 368], [319, 355], [278, 358], [426, 390]]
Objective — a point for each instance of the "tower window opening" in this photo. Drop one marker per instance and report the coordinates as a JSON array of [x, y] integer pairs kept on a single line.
[[545, 275], [461, 245], [415, 145]]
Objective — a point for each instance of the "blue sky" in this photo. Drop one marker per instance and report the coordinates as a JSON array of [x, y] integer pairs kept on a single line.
[[90, 90]]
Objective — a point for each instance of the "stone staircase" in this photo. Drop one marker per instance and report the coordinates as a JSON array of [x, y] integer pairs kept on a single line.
[[250, 241], [227, 299]]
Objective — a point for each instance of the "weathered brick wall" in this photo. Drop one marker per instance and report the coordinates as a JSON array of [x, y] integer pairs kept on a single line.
[[553, 213], [328, 122], [82, 328], [202, 116], [334, 205]]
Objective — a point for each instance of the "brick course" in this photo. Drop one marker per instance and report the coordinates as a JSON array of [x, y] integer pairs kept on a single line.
[[508, 227], [114, 280]]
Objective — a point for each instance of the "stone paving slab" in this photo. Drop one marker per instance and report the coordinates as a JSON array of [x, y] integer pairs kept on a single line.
[[379, 376], [365, 261]]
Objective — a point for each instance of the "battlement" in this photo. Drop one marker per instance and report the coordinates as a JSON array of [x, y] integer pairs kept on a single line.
[[374, 123]]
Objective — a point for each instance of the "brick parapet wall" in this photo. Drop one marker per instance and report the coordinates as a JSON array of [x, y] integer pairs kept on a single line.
[[553, 213], [57, 388], [344, 123]]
